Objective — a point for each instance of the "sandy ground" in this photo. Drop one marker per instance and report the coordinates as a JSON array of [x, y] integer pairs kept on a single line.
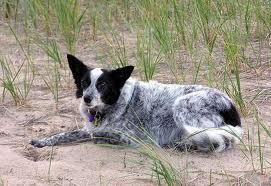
[[89, 164]]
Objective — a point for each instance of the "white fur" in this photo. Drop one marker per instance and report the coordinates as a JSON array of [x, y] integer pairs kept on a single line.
[[215, 135]]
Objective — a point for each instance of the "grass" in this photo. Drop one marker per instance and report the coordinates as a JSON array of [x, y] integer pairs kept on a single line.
[[147, 57], [159, 163], [17, 80], [51, 49], [117, 50], [8, 82], [1, 182], [163, 170], [69, 19], [10, 9], [232, 52], [52, 77], [218, 43], [50, 163]]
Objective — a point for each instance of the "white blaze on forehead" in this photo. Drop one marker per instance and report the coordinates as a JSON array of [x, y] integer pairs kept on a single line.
[[95, 74]]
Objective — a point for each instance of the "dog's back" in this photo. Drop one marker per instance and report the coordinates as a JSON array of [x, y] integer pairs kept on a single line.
[[184, 115]]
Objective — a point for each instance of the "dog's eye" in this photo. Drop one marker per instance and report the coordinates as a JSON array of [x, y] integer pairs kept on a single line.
[[101, 85], [84, 84]]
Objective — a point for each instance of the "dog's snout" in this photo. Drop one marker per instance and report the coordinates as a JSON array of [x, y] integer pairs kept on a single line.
[[87, 99]]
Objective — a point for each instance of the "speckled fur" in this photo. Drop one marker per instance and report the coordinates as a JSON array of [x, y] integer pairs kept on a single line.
[[190, 116]]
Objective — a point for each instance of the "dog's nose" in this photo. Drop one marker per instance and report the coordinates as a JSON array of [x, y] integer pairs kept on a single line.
[[87, 99]]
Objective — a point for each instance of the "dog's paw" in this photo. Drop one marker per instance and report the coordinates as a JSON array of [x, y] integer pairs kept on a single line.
[[37, 143]]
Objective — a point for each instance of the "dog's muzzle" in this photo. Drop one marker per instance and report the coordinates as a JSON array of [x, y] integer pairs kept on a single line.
[[93, 114]]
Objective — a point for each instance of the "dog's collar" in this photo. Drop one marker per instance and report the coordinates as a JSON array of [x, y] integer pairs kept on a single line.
[[94, 118]]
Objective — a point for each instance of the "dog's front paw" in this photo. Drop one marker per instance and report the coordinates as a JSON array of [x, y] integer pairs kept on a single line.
[[37, 143]]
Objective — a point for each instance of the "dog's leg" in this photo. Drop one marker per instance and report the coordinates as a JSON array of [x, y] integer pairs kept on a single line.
[[110, 138], [62, 138]]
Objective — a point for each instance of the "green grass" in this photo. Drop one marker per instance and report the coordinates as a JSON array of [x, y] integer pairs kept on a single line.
[[147, 57], [159, 164], [17, 80], [50, 163], [52, 67], [51, 49], [69, 19], [232, 50], [8, 81], [117, 50]]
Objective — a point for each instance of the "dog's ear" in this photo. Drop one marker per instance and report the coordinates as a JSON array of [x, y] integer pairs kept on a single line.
[[79, 69], [122, 74]]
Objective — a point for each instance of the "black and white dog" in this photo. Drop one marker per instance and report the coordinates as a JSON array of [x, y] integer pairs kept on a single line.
[[172, 115]]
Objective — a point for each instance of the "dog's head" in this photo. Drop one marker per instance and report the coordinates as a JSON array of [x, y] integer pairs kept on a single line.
[[98, 88]]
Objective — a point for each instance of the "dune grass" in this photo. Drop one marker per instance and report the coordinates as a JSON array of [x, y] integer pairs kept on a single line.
[[17, 80], [52, 67]]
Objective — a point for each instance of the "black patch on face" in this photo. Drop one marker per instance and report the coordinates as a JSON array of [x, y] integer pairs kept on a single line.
[[80, 74], [110, 83], [231, 116], [85, 81]]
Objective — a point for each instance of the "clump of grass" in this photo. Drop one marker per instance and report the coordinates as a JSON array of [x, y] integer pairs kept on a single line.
[[260, 147], [124, 10], [209, 23], [159, 164], [147, 58], [232, 50], [51, 49], [117, 50], [179, 18], [52, 67], [50, 163], [35, 14], [93, 23], [69, 19], [15, 80], [156, 15], [161, 167], [206, 18], [250, 146], [248, 18], [262, 15], [166, 41], [253, 147], [10, 8], [52, 78], [263, 131]]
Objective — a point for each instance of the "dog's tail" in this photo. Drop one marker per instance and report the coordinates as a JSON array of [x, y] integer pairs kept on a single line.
[[212, 139]]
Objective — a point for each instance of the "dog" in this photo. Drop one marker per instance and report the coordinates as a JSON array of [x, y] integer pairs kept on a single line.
[[169, 115]]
